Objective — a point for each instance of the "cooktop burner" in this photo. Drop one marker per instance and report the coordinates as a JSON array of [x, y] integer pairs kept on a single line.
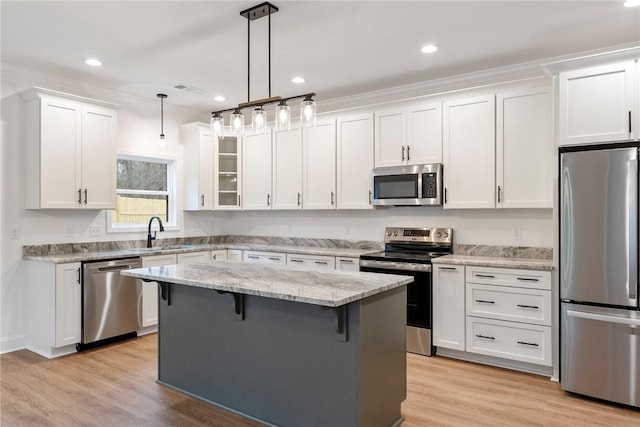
[[414, 245]]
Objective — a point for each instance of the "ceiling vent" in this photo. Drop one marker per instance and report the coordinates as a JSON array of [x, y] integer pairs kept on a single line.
[[191, 89]]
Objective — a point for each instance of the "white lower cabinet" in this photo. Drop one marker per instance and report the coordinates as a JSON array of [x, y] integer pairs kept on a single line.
[[509, 314], [347, 264], [448, 306], [317, 262], [219, 255], [234, 254], [54, 316], [189, 257], [265, 257], [150, 289], [511, 340]]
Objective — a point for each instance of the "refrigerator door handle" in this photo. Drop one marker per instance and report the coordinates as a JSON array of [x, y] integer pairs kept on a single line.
[[603, 318]]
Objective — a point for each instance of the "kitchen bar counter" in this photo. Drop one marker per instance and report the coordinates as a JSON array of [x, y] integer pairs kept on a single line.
[[174, 249], [287, 347], [326, 288], [499, 262]]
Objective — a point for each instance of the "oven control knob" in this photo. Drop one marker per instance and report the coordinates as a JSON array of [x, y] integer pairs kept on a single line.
[[438, 234], [388, 233], [395, 233], [445, 234]]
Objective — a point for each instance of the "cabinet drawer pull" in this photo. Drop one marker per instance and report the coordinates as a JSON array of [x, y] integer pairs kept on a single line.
[[447, 268], [528, 343], [346, 261], [253, 257], [535, 307], [484, 301], [274, 258], [485, 337], [214, 257], [78, 276], [321, 262], [486, 276], [297, 260], [629, 121], [527, 279]]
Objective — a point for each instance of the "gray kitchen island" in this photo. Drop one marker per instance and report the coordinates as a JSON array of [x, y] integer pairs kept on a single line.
[[284, 346]]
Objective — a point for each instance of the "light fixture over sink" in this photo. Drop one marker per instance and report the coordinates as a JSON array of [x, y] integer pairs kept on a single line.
[[161, 141], [259, 114]]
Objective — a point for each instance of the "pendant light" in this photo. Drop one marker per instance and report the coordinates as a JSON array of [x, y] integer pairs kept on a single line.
[[283, 116], [258, 114], [217, 125], [161, 141], [308, 112]]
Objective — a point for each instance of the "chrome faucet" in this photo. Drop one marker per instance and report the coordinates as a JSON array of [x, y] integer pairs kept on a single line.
[[149, 237]]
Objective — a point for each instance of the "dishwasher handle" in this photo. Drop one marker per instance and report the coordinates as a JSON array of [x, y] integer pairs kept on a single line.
[[110, 266]]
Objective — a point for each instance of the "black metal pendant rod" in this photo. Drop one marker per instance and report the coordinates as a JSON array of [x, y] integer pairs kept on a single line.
[[269, 52], [248, 60], [162, 96]]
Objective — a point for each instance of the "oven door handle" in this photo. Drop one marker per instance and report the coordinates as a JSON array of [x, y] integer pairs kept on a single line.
[[399, 266]]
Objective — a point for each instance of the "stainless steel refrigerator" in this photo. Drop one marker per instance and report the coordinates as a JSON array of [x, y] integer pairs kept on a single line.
[[600, 321]]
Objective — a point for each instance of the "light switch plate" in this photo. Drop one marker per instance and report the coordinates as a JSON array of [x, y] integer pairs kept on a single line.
[[14, 233], [95, 230]]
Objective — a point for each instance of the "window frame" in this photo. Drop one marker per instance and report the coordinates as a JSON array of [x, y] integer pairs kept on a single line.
[[173, 174]]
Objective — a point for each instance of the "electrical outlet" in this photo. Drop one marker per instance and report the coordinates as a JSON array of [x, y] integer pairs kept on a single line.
[[517, 233], [95, 230], [14, 233], [347, 229], [69, 231]]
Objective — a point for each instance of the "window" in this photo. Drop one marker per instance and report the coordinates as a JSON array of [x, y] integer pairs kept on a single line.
[[145, 187]]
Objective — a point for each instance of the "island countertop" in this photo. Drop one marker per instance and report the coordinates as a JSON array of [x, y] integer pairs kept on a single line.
[[331, 289]]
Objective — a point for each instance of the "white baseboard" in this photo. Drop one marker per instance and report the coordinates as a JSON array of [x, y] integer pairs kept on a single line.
[[148, 330], [14, 343], [496, 361]]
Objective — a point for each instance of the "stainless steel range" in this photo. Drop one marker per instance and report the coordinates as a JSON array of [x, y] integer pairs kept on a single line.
[[409, 251]]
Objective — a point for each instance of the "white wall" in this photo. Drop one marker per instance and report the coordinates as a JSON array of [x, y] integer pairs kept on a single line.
[[482, 227], [138, 131]]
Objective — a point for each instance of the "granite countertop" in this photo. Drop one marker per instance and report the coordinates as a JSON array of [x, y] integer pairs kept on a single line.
[[500, 262], [174, 249], [325, 288]]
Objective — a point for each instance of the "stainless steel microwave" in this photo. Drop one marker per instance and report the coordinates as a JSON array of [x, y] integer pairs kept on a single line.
[[416, 185]]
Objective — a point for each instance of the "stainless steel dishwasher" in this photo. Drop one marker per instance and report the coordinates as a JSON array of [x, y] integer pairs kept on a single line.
[[111, 303]]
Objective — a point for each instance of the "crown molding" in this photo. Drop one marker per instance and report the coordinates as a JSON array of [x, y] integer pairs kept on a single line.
[[545, 68]]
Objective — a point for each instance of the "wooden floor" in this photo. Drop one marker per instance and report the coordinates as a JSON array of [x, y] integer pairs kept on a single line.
[[115, 386]]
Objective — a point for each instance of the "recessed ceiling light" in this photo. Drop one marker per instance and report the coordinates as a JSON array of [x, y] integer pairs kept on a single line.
[[297, 80], [429, 48], [632, 3], [220, 98], [93, 62]]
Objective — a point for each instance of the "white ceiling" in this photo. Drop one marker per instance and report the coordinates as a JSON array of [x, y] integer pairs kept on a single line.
[[339, 47]]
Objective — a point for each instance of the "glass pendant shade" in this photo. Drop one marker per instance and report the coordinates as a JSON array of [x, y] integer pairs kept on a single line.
[[237, 123], [308, 112], [161, 141], [259, 120], [283, 117], [217, 126]]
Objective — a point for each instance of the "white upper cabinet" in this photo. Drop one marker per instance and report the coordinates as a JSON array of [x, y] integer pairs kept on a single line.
[[598, 104], [257, 171], [524, 143], [70, 152], [390, 137], [227, 177], [469, 152], [409, 135], [319, 166], [354, 161], [424, 133], [198, 166], [287, 169]]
